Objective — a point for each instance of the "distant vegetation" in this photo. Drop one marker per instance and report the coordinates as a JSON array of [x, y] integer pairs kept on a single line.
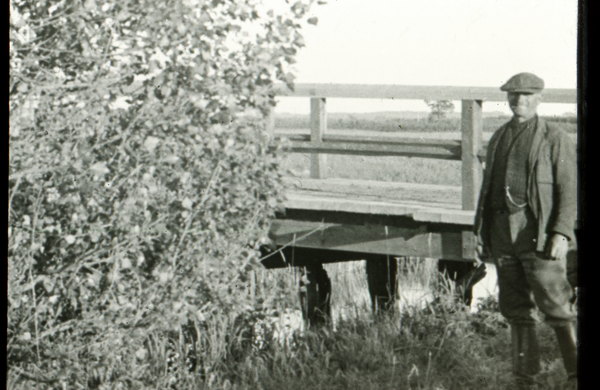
[[403, 122], [440, 109]]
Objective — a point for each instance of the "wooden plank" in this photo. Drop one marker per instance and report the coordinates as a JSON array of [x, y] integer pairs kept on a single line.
[[418, 92], [336, 188], [396, 139], [303, 202], [449, 151], [439, 215], [373, 239], [472, 171], [318, 128], [469, 244], [376, 145], [418, 212], [350, 185]]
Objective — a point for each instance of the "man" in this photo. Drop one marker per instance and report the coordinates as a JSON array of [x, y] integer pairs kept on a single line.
[[525, 224]]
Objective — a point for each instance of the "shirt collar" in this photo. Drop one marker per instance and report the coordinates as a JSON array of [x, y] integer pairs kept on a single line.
[[522, 125]]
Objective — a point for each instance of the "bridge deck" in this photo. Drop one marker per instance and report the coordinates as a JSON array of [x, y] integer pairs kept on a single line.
[[357, 218], [329, 220], [421, 202]]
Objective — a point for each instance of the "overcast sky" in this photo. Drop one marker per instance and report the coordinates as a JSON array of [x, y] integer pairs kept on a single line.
[[437, 42]]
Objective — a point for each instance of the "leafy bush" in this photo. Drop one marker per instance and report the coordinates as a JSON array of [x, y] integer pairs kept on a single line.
[[141, 183]]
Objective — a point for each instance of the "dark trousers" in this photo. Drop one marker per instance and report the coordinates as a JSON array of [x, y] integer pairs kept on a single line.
[[525, 278]]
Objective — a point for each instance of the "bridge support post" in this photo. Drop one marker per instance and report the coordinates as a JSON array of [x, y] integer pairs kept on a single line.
[[472, 170], [382, 276], [315, 296], [318, 128]]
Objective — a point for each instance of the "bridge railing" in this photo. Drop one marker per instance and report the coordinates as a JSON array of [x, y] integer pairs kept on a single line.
[[471, 150]]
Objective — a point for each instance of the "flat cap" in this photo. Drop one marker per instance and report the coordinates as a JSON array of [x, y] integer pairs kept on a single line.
[[524, 82]]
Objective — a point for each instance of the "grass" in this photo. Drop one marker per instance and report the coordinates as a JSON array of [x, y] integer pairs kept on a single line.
[[429, 345], [381, 168], [441, 346]]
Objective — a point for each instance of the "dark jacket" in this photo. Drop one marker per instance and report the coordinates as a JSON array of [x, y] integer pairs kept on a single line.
[[551, 184]]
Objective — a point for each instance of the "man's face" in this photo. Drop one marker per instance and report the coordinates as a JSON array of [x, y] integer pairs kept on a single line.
[[524, 104]]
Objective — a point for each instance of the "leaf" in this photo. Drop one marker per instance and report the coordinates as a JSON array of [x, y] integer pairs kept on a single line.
[[123, 15], [99, 168], [95, 235], [90, 4], [171, 159], [141, 353], [48, 284], [314, 20], [70, 239], [121, 102], [150, 143], [125, 263], [186, 203]]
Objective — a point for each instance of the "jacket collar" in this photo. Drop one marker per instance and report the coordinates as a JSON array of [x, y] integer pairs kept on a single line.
[[538, 137]]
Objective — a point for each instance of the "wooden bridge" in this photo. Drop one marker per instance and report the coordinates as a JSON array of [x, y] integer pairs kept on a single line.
[[332, 220]]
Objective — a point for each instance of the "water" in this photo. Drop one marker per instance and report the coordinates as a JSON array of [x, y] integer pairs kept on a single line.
[[486, 287], [359, 303]]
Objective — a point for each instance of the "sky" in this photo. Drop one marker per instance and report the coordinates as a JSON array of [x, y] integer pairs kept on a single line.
[[436, 42]]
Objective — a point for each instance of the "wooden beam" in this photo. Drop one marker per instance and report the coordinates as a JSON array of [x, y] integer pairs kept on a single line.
[[318, 128], [418, 92], [418, 212], [472, 171], [447, 151], [373, 239]]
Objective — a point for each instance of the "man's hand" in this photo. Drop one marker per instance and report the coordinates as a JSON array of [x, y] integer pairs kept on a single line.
[[557, 247]]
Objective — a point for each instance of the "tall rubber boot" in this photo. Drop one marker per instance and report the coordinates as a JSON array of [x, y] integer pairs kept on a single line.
[[526, 356], [567, 342]]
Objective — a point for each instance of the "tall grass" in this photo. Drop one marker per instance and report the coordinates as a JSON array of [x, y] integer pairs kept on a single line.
[[428, 344], [431, 344]]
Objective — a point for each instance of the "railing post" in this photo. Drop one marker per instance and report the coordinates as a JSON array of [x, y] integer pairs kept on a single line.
[[472, 172], [318, 127]]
